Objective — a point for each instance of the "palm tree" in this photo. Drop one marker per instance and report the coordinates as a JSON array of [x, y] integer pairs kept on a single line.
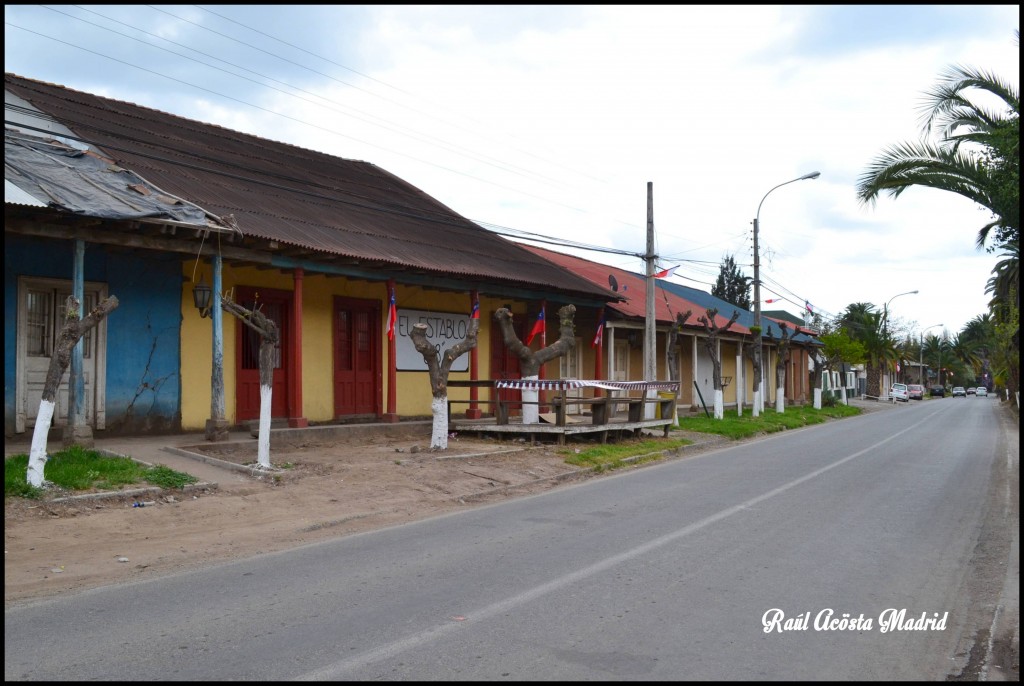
[[865, 325], [982, 176], [965, 352]]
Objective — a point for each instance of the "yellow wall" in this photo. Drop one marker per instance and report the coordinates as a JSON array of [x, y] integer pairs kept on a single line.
[[413, 396], [728, 355]]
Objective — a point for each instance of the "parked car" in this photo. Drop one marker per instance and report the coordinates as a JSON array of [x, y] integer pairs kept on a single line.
[[899, 391], [959, 391], [971, 390], [916, 391], [937, 391], [982, 392]]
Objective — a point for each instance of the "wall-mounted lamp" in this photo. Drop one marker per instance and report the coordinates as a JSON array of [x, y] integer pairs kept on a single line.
[[635, 339], [201, 298]]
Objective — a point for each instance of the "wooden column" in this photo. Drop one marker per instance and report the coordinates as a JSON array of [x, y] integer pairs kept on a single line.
[[391, 415], [78, 431], [599, 352], [217, 424], [296, 419], [474, 410]]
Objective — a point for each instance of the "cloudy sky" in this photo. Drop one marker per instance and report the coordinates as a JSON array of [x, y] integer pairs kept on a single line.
[[551, 122]]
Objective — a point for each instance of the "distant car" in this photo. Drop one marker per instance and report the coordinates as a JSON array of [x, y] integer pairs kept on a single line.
[[937, 391], [959, 391], [971, 391], [982, 392], [899, 391], [916, 391]]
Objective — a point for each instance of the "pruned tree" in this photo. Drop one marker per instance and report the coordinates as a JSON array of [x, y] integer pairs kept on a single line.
[[529, 361], [711, 344], [269, 337], [673, 336], [438, 366], [785, 338], [73, 330], [673, 358]]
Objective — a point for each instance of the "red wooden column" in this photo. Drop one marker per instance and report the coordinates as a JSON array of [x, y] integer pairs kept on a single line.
[[599, 352], [474, 410], [295, 417], [543, 344], [391, 416]]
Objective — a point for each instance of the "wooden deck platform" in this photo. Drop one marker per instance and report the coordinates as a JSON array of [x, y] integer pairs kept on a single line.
[[604, 418]]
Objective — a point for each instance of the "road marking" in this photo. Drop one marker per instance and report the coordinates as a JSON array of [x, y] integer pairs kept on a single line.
[[335, 671]]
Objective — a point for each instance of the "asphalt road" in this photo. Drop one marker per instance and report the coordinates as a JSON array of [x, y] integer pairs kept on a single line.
[[667, 572]]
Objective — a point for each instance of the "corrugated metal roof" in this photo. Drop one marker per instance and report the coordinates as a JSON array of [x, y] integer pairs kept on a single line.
[[53, 174], [298, 197], [633, 287]]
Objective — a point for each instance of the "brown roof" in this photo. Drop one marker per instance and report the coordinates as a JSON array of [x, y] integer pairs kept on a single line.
[[302, 199]]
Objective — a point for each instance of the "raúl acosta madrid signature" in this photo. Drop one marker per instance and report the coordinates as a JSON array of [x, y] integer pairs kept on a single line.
[[892, 619]]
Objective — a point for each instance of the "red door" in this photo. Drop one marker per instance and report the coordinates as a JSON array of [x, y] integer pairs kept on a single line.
[[276, 306], [357, 345], [505, 365]]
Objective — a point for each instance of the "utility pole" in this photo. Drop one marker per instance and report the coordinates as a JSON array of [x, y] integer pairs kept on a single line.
[[650, 340]]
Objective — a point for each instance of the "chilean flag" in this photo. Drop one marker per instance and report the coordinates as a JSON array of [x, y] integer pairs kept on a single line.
[[392, 317], [597, 336], [665, 273], [475, 314], [538, 327]]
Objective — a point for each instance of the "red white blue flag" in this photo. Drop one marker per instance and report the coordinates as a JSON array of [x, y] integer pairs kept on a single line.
[[392, 317], [538, 327], [475, 314], [665, 273], [600, 333]]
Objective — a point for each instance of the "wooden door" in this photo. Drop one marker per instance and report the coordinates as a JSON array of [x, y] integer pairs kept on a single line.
[[41, 309], [357, 357], [505, 365], [276, 306]]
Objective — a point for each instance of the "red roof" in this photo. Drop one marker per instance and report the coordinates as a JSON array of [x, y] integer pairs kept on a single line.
[[633, 288]]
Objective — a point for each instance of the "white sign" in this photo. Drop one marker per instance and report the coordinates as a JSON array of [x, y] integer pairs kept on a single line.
[[444, 330]]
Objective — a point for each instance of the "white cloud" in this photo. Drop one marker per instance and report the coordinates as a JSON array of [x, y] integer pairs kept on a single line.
[[554, 119]]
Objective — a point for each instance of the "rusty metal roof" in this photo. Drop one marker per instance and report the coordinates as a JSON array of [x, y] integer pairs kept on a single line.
[[308, 200]]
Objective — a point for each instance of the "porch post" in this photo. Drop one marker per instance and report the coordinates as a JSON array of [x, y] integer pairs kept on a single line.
[[217, 424], [78, 431], [599, 352], [296, 420], [391, 416], [474, 409]]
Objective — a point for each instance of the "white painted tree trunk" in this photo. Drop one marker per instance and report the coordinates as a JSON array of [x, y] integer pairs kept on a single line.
[[755, 407], [719, 404], [780, 399], [531, 410], [37, 454], [817, 398], [842, 395], [263, 450], [439, 430]]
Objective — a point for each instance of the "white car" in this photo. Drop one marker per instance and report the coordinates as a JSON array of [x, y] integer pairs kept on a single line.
[[900, 391], [981, 392]]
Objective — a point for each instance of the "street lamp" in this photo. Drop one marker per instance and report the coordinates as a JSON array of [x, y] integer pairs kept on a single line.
[[757, 290], [920, 357], [885, 313]]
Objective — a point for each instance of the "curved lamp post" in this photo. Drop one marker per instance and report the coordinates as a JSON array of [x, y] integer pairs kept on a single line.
[[885, 313], [757, 289], [920, 350]]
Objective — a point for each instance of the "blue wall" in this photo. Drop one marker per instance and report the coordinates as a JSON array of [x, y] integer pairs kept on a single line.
[[143, 393]]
